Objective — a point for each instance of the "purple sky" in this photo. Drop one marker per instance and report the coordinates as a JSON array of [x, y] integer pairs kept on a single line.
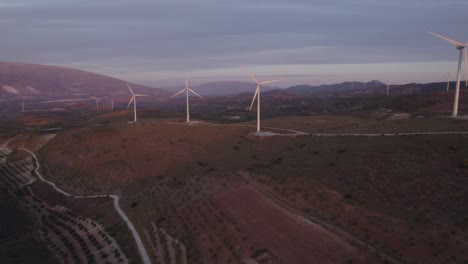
[[315, 41]]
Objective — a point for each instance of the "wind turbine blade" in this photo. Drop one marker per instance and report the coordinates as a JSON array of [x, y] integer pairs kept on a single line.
[[267, 82], [251, 75], [466, 67], [130, 89], [453, 42], [195, 93], [255, 96], [181, 91], [141, 95], [131, 100]]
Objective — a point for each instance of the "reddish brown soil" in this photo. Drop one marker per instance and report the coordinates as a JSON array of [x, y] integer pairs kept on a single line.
[[36, 120], [408, 240], [399, 199], [289, 237]]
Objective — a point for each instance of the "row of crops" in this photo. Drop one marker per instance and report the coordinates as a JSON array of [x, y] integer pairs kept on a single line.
[[71, 238], [188, 225]]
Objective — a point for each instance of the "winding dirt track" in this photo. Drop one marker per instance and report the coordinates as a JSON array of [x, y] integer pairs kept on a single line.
[[141, 248], [389, 134], [300, 133]]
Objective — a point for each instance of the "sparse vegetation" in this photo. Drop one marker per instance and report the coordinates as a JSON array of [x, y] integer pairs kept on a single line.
[[176, 178]]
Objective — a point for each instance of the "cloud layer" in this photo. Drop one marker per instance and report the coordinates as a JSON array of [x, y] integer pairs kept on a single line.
[[157, 41]]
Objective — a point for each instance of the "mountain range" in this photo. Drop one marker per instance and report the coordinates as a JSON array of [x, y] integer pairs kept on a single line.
[[35, 80]]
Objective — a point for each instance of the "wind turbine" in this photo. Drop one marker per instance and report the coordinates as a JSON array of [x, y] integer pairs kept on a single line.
[[461, 48], [97, 102], [187, 90], [134, 96], [388, 86], [257, 94]]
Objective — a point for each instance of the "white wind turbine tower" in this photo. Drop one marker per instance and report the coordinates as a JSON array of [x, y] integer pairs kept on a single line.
[[97, 102], [187, 90], [388, 86], [257, 94], [462, 52], [134, 96]]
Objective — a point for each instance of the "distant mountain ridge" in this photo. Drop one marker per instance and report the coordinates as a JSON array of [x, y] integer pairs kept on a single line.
[[223, 88], [36, 80], [43, 81], [332, 88]]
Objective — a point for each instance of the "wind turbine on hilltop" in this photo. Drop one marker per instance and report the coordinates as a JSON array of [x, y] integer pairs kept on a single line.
[[187, 90], [134, 96], [462, 52], [257, 94]]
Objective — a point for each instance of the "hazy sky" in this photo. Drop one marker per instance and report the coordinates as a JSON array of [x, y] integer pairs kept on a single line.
[[158, 42]]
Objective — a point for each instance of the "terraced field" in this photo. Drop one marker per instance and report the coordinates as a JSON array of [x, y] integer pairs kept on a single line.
[[71, 238]]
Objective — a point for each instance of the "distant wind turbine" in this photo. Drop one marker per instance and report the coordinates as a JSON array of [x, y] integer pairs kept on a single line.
[[187, 90], [134, 96], [97, 102], [462, 52], [257, 94], [388, 86]]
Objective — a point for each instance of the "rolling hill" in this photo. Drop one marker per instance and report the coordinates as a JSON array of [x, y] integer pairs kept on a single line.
[[223, 88], [332, 88], [35, 80]]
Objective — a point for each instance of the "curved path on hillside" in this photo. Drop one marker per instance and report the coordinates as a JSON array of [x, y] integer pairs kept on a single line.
[[300, 133], [141, 248], [389, 134], [294, 132]]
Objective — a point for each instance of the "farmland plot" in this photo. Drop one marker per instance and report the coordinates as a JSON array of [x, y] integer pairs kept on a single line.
[[70, 237]]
